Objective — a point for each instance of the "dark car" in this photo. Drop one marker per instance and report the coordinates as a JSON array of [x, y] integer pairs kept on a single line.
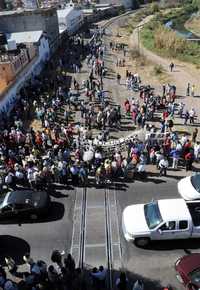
[[24, 203], [188, 271]]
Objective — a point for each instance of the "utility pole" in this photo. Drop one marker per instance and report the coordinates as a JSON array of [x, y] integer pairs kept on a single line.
[[138, 36]]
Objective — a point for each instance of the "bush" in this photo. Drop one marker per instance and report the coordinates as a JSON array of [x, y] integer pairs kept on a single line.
[[134, 53], [154, 8], [158, 69], [168, 40]]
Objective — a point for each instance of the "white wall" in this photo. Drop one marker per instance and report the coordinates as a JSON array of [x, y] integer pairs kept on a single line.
[[44, 50], [73, 19], [34, 69]]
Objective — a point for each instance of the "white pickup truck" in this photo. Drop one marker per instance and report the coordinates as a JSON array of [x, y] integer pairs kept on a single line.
[[166, 219]]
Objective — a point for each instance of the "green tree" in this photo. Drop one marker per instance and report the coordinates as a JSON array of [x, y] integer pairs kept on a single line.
[[196, 4]]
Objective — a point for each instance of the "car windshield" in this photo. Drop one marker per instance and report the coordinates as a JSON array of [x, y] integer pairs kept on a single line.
[[152, 214], [195, 180], [195, 276]]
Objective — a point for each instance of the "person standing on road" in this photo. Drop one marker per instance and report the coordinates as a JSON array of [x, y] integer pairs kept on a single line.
[[118, 78], [192, 115], [186, 117], [122, 281], [188, 90], [163, 165], [192, 90], [188, 161], [171, 66], [194, 135]]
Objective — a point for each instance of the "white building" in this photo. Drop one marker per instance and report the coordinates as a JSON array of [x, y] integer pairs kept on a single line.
[[36, 38], [69, 19]]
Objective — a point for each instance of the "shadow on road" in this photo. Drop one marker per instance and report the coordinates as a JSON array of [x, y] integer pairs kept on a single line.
[[56, 212], [168, 245], [14, 247]]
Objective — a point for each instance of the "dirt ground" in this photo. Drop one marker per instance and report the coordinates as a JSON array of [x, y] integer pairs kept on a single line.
[[193, 24], [144, 65]]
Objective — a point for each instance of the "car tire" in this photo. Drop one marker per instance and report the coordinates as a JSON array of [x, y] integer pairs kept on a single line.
[[142, 242], [33, 216]]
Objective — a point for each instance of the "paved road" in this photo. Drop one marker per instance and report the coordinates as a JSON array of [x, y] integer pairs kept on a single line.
[[63, 231], [43, 236], [156, 264]]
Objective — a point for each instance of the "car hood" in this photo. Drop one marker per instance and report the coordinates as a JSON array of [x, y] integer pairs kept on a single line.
[[188, 263], [134, 219], [186, 189]]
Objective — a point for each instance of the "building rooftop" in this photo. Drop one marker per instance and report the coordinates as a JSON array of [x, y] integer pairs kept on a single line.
[[25, 37], [64, 12]]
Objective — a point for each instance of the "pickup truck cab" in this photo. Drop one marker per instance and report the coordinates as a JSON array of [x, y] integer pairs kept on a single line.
[[166, 219]]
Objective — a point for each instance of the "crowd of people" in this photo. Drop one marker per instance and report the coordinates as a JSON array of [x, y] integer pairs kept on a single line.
[[61, 274], [64, 151]]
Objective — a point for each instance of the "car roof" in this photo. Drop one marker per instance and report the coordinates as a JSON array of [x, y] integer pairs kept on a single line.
[[173, 209], [189, 263], [22, 196], [186, 189]]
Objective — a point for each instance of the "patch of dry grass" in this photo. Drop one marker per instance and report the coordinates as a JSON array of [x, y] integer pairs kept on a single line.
[[193, 24]]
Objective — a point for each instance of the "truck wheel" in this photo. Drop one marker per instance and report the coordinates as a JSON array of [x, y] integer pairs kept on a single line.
[[142, 242]]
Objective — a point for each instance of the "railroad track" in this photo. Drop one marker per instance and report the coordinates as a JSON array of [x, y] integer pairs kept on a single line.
[[87, 253]]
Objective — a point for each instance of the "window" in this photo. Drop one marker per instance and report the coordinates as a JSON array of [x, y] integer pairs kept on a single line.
[[183, 225], [152, 214], [7, 208], [169, 226], [195, 180]]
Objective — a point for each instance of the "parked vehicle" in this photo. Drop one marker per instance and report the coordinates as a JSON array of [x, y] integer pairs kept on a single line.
[[24, 203], [189, 187], [188, 271], [166, 219]]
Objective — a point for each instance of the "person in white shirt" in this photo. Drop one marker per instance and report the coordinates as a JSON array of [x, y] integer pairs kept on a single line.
[[196, 150], [192, 115], [163, 165], [183, 139]]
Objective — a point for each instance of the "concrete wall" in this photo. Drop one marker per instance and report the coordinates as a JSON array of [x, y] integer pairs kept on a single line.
[[40, 19], [7, 72], [128, 3], [9, 69]]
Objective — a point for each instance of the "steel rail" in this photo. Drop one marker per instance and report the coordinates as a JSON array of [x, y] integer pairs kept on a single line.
[[108, 240], [83, 228]]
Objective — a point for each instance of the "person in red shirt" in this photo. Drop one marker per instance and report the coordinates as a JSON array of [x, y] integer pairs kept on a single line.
[[188, 161], [165, 115]]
